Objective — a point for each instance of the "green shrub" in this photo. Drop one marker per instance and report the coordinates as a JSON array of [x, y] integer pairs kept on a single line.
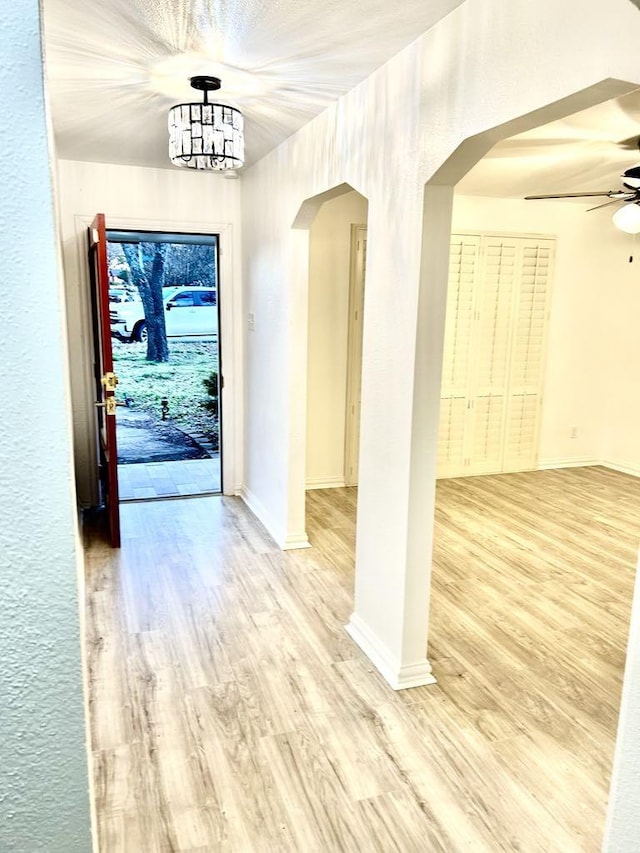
[[211, 385]]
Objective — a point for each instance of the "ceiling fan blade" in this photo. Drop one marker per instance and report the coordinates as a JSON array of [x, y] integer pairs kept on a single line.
[[608, 193], [615, 201], [631, 144]]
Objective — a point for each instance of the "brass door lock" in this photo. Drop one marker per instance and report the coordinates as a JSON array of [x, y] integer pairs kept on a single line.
[[109, 381]]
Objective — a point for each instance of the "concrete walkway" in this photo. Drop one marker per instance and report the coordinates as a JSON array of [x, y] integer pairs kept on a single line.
[[142, 438], [169, 479]]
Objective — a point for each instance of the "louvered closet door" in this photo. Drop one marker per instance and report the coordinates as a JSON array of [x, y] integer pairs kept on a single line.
[[490, 381], [495, 337], [531, 310], [457, 359]]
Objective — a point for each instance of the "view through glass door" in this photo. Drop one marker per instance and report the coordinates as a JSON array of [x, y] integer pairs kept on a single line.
[[164, 314]]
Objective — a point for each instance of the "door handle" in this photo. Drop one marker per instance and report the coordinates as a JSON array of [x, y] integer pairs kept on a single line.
[[109, 405]]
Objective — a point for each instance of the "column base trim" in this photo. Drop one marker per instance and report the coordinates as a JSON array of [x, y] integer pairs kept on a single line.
[[399, 677], [294, 541], [286, 542]]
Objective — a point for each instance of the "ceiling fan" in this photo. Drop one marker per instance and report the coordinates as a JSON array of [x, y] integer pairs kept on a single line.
[[627, 217]]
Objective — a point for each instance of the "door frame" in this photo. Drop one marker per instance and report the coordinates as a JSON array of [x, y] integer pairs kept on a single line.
[[104, 377], [229, 333], [354, 354]]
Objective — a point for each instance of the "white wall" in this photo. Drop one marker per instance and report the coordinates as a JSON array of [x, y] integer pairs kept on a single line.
[[329, 274], [156, 199], [44, 781], [620, 302], [623, 816], [386, 138], [591, 380]]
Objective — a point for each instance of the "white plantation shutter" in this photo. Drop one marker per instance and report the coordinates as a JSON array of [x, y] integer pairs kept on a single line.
[[531, 308], [456, 367], [521, 441], [463, 271], [451, 436], [495, 335], [493, 341], [487, 435]]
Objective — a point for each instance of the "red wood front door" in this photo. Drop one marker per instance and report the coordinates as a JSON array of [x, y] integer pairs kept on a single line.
[[105, 379]]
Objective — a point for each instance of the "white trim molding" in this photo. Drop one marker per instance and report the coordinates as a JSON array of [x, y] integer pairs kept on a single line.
[[575, 462], [294, 541], [263, 515], [399, 676], [285, 541], [634, 470], [578, 462], [325, 483]]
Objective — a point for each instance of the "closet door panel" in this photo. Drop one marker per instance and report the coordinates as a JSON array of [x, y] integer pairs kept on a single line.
[[451, 437], [457, 355], [522, 432], [531, 309], [493, 342], [485, 453], [493, 361]]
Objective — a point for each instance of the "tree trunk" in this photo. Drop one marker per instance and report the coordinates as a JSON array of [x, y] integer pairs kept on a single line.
[[147, 264]]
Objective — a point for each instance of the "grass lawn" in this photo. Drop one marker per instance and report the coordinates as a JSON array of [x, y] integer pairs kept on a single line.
[[180, 381]]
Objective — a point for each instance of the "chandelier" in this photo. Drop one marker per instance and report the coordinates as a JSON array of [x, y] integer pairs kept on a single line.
[[206, 136]]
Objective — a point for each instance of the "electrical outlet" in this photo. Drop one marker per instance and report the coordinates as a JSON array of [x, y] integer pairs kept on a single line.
[[251, 321], [574, 432]]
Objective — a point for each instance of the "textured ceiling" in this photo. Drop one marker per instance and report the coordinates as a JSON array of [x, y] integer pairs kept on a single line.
[[114, 68], [587, 151]]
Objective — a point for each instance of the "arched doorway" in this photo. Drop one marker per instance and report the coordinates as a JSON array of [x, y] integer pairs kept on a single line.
[[496, 689]]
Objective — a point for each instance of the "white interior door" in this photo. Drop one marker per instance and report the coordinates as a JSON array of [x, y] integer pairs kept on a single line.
[[354, 349]]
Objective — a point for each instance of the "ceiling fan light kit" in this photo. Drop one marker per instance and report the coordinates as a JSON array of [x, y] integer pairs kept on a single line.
[[627, 218], [206, 136]]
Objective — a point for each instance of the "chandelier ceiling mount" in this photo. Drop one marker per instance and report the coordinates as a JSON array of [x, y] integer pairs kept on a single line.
[[206, 84]]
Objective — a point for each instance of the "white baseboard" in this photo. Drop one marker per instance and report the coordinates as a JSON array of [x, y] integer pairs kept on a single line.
[[634, 470], [287, 542], [399, 677], [263, 516], [294, 541], [325, 483], [570, 462], [584, 462]]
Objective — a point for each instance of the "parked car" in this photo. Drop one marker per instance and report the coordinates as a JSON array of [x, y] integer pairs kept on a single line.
[[189, 312], [119, 294]]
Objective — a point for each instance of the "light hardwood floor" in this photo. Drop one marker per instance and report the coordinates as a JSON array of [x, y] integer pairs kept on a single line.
[[231, 712]]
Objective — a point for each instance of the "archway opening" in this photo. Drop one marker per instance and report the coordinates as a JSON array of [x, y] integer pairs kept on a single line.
[[335, 223], [532, 560]]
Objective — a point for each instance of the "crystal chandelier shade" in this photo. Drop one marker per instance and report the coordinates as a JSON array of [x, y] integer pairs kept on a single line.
[[206, 136]]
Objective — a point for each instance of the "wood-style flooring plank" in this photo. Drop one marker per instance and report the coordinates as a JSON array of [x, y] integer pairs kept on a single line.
[[231, 712]]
